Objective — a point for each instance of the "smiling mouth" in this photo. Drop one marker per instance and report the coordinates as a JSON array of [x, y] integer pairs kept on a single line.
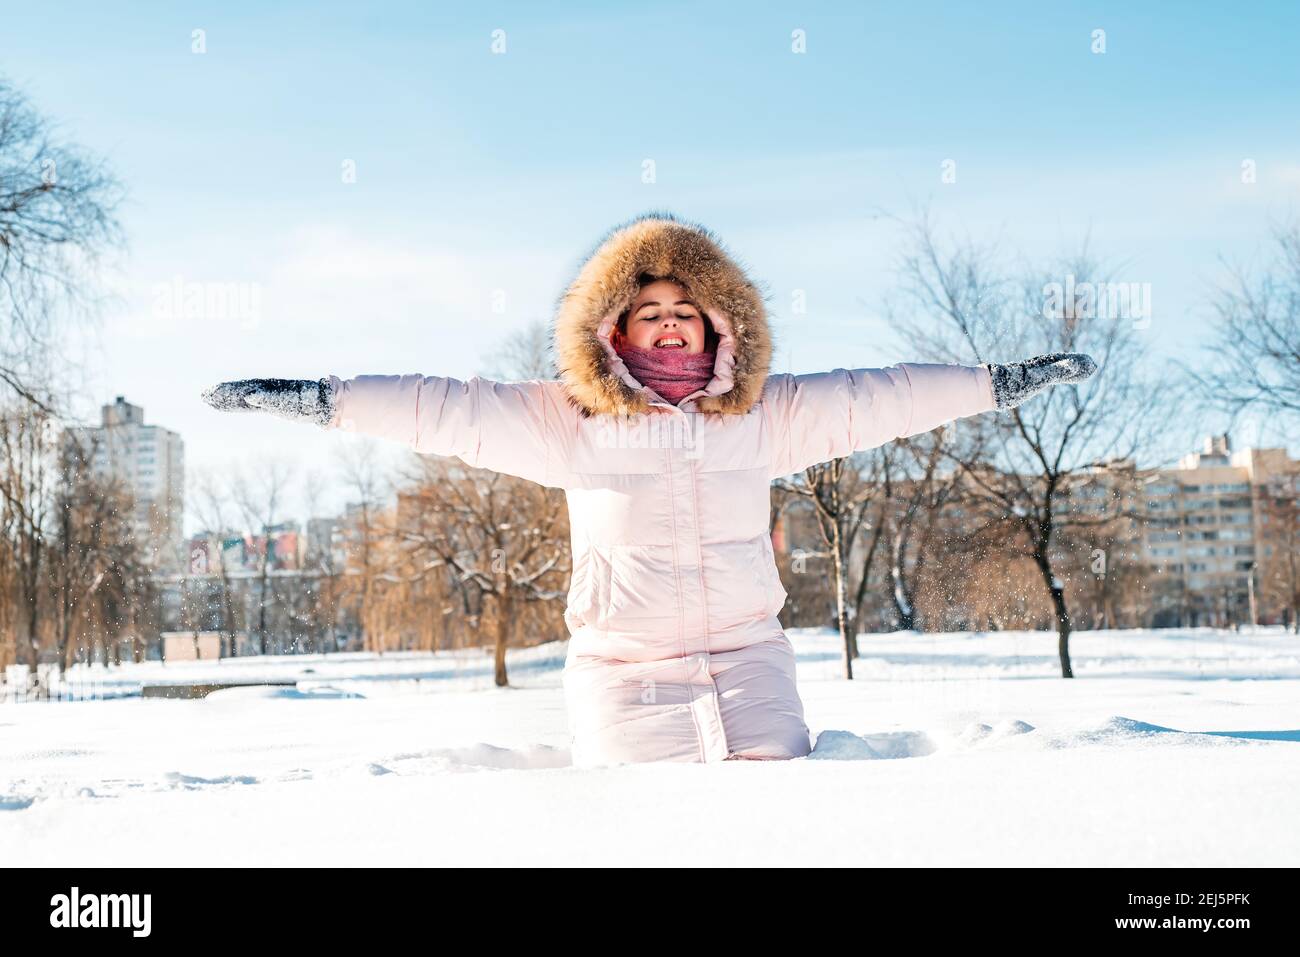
[[671, 342]]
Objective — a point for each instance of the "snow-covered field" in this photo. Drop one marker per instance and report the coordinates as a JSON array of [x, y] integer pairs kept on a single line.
[[1169, 748]]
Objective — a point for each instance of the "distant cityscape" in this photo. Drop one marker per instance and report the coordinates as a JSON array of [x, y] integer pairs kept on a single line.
[[200, 576], [1212, 541]]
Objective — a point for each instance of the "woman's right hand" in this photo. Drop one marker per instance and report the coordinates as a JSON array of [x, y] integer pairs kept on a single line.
[[298, 400]]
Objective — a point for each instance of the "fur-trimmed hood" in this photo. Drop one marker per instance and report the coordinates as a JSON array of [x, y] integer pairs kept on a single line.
[[663, 245]]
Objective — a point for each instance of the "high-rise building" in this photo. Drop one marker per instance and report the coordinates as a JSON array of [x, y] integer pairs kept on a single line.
[[149, 461], [1222, 524], [325, 545]]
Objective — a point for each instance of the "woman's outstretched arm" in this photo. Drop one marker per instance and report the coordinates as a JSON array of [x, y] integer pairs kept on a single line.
[[510, 427], [827, 415]]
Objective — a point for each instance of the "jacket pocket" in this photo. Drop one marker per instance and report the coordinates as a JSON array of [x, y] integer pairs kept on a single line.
[[642, 586], [741, 583]]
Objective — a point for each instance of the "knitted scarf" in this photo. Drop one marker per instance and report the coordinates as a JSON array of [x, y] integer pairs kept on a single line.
[[673, 373]]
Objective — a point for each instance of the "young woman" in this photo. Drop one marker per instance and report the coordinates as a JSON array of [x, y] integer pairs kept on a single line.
[[665, 431]]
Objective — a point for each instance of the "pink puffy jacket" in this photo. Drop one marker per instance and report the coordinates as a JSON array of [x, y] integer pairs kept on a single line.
[[675, 652]]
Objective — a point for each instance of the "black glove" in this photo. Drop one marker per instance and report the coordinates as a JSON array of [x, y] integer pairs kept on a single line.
[[299, 400], [1017, 381]]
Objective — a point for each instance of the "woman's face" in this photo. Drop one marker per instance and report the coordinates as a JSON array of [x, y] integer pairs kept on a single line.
[[663, 317]]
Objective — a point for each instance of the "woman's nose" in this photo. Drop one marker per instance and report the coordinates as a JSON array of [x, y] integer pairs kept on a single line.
[[669, 322]]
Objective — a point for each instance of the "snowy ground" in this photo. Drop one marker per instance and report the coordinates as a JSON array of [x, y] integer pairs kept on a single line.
[[1178, 748]]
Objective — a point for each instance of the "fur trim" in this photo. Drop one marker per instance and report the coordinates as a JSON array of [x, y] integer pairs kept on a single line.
[[661, 244]]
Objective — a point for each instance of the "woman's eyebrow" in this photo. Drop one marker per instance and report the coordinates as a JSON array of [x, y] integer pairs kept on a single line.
[[655, 302]]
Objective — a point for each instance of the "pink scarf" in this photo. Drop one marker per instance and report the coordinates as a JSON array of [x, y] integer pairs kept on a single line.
[[673, 373]]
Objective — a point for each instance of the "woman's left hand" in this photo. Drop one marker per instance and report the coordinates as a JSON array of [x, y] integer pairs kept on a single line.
[[1017, 381], [298, 400]]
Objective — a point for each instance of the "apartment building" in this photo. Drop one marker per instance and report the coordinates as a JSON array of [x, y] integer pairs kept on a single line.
[[150, 461], [1220, 531]]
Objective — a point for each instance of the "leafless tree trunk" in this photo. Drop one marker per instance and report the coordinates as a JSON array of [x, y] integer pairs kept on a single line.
[[868, 562], [1278, 550], [369, 537], [27, 494], [258, 499], [915, 490], [208, 502], [840, 501]]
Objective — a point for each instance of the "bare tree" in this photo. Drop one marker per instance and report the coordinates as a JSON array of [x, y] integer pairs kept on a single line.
[[211, 505], [840, 500], [57, 217], [259, 498], [524, 355], [91, 525], [1024, 463], [501, 537], [1256, 356], [369, 533], [915, 490], [321, 567]]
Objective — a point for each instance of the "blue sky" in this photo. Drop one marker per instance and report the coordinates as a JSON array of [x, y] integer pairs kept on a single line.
[[479, 172]]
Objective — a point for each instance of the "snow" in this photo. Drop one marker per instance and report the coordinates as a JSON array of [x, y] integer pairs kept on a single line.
[[1168, 748]]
